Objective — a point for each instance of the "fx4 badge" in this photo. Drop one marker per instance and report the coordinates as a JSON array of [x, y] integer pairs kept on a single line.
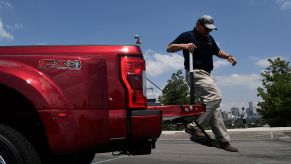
[[59, 64]]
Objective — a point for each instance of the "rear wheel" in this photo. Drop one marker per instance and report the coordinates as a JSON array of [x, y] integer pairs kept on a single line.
[[15, 148], [2, 160]]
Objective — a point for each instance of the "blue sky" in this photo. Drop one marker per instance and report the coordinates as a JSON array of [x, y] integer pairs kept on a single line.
[[251, 30]]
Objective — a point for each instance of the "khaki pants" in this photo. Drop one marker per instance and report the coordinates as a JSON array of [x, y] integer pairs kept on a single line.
[[205, 88]]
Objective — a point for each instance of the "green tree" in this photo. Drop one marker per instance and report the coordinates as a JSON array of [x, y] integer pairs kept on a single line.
[[176, 91], [276, 93]]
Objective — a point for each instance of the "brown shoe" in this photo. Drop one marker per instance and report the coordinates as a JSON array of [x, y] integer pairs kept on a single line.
[[226, 146]]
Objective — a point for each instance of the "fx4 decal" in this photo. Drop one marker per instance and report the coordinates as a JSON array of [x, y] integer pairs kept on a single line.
[[59, 64]]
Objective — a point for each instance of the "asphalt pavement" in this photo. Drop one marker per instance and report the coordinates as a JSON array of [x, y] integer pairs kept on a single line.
[[256, 146]]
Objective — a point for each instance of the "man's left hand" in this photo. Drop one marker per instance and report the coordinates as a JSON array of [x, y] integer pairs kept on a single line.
[[232, 60]]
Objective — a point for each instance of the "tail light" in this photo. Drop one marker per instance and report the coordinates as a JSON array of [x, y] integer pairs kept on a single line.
[[133, 75]]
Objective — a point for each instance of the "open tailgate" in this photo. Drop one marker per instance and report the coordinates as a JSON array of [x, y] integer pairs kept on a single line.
[[172, 112]]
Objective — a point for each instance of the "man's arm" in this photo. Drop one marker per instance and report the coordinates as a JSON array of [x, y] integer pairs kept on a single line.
[[177, 47], [225, 55]]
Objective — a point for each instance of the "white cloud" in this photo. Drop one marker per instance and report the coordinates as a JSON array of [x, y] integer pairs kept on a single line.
[[284, 4], [3, 33], [220, 63], [5, 3], [265, 63], [248, 81], [14, 27], [158, 64]]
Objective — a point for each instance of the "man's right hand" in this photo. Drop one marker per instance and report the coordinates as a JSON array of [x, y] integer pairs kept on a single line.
[[189, 46]]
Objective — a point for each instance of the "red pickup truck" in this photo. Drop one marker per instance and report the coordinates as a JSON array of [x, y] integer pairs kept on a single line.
[[63, 104]]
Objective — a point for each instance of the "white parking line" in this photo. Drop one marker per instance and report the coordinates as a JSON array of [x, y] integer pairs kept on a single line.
[[257, 129], [108, 160]]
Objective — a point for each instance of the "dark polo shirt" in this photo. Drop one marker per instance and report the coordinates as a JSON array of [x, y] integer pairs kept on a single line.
[[203, 55]]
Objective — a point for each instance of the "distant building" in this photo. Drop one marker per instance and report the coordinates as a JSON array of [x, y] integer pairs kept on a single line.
[[151, 97], [152, 102], [224, 115], [250, 110], [257, 115], [229, 115], [235, 112], [150, 93], [251, 106]]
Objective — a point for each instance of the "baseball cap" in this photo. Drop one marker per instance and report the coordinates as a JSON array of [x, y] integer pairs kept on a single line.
[[208, 22]]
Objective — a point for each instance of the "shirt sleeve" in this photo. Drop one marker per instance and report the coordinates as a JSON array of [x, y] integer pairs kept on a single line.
[[182, 38]]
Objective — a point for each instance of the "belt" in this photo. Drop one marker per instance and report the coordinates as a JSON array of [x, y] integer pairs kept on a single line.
[[202, 70]]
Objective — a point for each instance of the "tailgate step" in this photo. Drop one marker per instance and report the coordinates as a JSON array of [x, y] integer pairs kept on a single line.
[[172, 112]]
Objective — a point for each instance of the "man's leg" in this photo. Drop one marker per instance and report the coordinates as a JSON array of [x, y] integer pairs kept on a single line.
[[192, 128], [218, 127], [204, 87], [208, 91], [245, 123]]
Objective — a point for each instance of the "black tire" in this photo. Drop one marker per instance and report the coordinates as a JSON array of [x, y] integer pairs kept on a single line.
[[85, 157], [15, 148]]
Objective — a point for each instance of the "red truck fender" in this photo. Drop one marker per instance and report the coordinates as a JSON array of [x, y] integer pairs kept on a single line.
[[33, 84]]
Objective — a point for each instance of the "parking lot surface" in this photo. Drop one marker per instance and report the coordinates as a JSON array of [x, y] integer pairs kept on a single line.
[[257, 146]]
